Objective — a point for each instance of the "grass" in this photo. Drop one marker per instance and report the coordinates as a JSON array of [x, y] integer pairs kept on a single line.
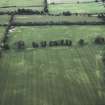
[[4, 19], [20, 2], [69, 1], [39, 18], [53, 76], [29, 34], [77, 8], [16, 8], [2, 30]]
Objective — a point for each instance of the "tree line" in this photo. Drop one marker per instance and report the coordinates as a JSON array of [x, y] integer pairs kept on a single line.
[[55, 43]]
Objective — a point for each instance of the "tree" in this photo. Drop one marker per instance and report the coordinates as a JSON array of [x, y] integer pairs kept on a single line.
[[53, 43], [96, 0], [35, 45], [99, 40], [62, 42], [103, 59], [20, 45], [68, 43], [67, 13], [103, 1], [6, 46], [45, 6], [43, 44], [81, 42]]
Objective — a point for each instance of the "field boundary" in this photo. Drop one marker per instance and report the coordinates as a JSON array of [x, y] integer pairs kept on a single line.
[[56, 23], [5, 38]]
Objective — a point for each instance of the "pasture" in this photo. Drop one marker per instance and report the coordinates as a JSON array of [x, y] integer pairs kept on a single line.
[[57, 75], [68, 1], [38, 33], [53, 76], [11, 9], [4, 3], [47, 18], [4, 19], [77, 8]]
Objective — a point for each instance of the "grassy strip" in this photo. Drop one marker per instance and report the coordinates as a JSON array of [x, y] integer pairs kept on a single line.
[[77, 8], [47, 18]]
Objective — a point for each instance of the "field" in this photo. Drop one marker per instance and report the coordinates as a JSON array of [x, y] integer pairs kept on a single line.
[[46, 18], [53, 76], [13, 5], [4, 3], [4, 19], [77, 8], [69, 1], [29, 34], [57, 75], [20, 7]]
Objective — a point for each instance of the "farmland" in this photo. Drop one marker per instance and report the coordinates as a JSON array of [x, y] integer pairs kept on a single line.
[[11, 5], [63, 76], [20, 7], [46, 18], [4, 3], [51, 75], [4, 19], [77, 8], [29, 34]]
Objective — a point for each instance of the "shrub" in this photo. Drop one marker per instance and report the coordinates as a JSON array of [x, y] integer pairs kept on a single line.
[[67, 13], [6, 46], [81, 42], [20, 45], [62, 42], [99, 40], [35, 45], [52, 3], [68, 43], [53, 43], [43, 44]]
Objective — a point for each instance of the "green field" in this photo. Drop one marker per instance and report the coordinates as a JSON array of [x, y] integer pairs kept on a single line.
[[29, 34], [2, 30], [4, 19], [57, 75], [53, 76], [20, 2], [20, 7], [46, 18], [77, 8], [65, 76]]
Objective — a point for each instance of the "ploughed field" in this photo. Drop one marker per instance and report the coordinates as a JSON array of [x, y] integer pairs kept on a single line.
[[53, 76], [91, 7]]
